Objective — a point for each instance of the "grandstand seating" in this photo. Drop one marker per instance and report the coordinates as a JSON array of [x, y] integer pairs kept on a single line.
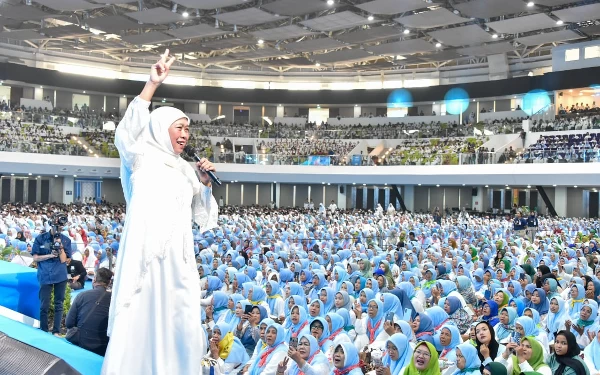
[[444, 151], [565, 148]]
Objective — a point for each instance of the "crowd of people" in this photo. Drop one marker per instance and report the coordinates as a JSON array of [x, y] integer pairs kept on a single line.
[[565, 148], [443, 151], [18, 137], [288, 290], [564, 124], [578, 108]]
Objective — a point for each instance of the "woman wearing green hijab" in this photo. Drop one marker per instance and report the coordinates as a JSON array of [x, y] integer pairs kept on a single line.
[[366, 269], [424, 360], [529, 357]]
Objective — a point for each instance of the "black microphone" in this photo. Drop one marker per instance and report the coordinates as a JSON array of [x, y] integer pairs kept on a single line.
[[190, 152]]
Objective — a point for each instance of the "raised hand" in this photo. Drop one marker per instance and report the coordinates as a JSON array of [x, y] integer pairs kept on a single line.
[[160, 70], [282, 366]]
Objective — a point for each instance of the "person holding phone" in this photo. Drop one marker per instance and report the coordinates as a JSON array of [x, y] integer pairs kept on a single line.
[[247, 329], [307, 358], [526, 356]]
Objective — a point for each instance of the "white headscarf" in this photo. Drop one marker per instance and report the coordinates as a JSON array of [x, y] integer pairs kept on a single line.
[[160, 121]]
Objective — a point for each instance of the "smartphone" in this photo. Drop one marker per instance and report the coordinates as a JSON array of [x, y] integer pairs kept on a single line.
[[261, 258], [296, 276], [407, 315], [248, 309], [390, 317], [293, 342], [377, 362], [516, 338]]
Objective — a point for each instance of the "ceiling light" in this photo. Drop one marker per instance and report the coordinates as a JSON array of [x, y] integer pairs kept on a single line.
[[364, 184], [495, 36], [530, 4], [528, 186], [554, 185], [371, 18], [74, 175], [330, 2], [507, 187], [354, 183], [419, 184], [559, 22], [84, 92], [486, 186], [260, 41], [438, 45], [55, 175], [406, 31], [570, 90], [463, 184], [575, 186], [185, 14], [530, 74], [241, 103], [437, 185], [12, 174], [30, 174], [318, 64]]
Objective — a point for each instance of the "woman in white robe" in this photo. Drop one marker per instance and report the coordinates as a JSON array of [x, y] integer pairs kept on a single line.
[[155, 306]]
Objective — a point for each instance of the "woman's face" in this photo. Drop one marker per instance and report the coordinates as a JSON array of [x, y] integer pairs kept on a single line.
[[504, 317], [314, 309], [447, 307], [511, 288], [336, 276], [585, 313], [315, 280], [519, 329], [86, 253], [295, 315], [422, 357], [216, 334], [415, 323], [513, 304], [460, 360], [554, 306], [254, 316], [344, 287], [291, 303], [498, 298], [380, 281], [302, 277], [369, 284], [445, 337], [486, 310], [338, 301], [535, 298], [499, 275], [361, 265], [339, 357], [574, 292], [546, 287], [216, 263], [268, 288], [372, 309], [323, 296], [304, 348], [363, 298], [238, 310], [271, 336], [561, 347], [382, 266], [316, 329], [590, 287], [527, 349], [483, 333], [235, 284], [528, 313], [357, 284], [230, 304]]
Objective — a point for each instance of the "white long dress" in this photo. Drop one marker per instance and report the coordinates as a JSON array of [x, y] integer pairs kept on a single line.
[[154, 321]]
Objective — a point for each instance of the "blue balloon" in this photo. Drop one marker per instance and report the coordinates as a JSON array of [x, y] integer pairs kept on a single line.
[[534, 101], [400, 98], [457, 101]]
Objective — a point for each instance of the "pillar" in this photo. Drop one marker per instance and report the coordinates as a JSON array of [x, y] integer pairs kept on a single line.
[[365, 200], [202, 108], [375, 196], [353, 196], [409, 197], [38, 191], [277, 193], [477, 200], [280, 111], [294, 196], [13, 186], [256, 197], [341, 197], [68, 187], [357, 110], [26, 190], [560, 200], [242, 194], [38, 93], [122, 104], [227, 194], [386, 201], [502, 201]]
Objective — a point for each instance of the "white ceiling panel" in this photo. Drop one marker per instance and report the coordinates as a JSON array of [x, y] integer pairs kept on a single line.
[[156, 16], [314, 45], [374, 34], [225, 43], [281, 33], [208, 4], [393, 6], [196, 31], [439, 56], [579, 14], [487, 49], [405, 47], [69, 5], [69, 31], [348, 55], [337, 21], [543, 38], [591, 30], [112, 24], [247, 17], [296, 7], [434, 18], [259, 53], [462, 36], [523, 24], [492, 8], [553, 3], [153, 37], [22, 35], [23, 13]]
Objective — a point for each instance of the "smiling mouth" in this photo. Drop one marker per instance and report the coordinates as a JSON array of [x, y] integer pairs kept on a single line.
[[181, 143], [420, 362]]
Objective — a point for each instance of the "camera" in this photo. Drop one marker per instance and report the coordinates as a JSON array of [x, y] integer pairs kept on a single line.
[[57, 222]]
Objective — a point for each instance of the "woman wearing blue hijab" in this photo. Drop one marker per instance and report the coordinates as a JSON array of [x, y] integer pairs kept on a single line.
[[575, 303], [467, 360], [296, 323], [319, 282], [446, 342], [219, 304], [539, 302], [348, 325], [339, 275], [213, 284], [306, 359], [425, 328], [231, 350], [345, 360], [275, 300], [327, 296], [557, 316], [398, 353], [372, 325], [274, 352], [506, 326], [230, 316], [518, 304], [364, 297], [490, 313], [457, 314], [315, 310]]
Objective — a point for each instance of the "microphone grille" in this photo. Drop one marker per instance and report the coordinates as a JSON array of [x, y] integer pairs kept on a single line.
[[189, 151]]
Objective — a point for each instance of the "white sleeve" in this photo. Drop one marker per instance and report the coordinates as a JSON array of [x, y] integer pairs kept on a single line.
[[360, 326], [279, 310], [508, 363], [130, 129], [206, 209], [318, 369], [271, 367], [526, 367]]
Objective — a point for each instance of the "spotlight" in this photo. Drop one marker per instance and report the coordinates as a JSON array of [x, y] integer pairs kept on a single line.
[[330, 2], [406, 31], [371, 18], [318, 64], [438, 45], [260, 41], [495, 36], [185, 14], [559, 22], [530, 4]]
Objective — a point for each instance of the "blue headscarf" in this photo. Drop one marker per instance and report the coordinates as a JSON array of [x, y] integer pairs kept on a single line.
[[230, 316], [555, 321], [375, 323], [520, 305], [278, 346], [454, 303], [342, 276], [237, 353], [528, 325], [472, 361], [392, 303], [544, 304], [492, 319], [321, 310], [505, 330], [400, 341], [448, 352], [213, 284], [258, 295], [330, 299], [219, 302], [406, 329], [350, 358], [426, 329], [370, 295], [315, 355], [273, 296]]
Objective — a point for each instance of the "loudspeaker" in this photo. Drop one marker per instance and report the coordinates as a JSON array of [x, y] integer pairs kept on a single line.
[[17, 358], [474, 192], [341, 189]]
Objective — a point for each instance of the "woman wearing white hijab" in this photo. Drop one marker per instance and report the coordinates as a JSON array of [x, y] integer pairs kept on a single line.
[[155, 305]]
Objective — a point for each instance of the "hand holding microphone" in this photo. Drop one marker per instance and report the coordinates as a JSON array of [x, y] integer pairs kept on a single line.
[[206, 167]]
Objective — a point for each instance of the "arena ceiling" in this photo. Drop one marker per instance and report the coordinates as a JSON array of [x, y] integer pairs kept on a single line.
[[300, 35]]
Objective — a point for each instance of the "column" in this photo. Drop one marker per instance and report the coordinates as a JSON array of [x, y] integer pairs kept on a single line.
[[68, 187], [375, 196], [386, 201], [98, 192], [560, 200], [528, 198], [309, 193], [277, 193], [26, 190], [242, 193], [122, 104], [226, 194], [357, 110], [365, 201], [294, 196], [13, 185], [38, 191], [256, 198], [38, 93], [341, 197], [502, 201], [202, 109], [477, 200], [324, 202], [280, 111], [409, 197], [353, 196]]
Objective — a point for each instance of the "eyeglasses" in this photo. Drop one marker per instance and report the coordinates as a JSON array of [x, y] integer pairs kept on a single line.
[[317, 327], [419, 353]]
